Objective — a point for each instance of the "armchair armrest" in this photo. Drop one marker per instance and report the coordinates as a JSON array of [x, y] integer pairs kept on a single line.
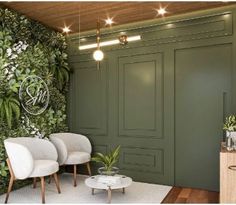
[[82, 142], [61, 149], [21, 159]]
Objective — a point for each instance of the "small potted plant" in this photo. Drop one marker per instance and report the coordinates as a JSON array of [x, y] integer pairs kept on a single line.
[[230, 128], [108, 161]]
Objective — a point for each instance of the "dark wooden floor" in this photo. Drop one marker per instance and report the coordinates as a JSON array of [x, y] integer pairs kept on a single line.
[[188, 195]]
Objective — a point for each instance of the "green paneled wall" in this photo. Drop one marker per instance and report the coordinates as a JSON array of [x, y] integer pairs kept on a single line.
[[163, 99]]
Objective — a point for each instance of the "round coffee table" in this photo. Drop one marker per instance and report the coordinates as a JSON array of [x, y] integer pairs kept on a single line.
[[93, 183]]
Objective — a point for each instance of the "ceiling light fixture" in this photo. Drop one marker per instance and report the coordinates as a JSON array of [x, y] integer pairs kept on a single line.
[[109, 43], [66, 29], [161, 11], [109, 21], [98, 54]]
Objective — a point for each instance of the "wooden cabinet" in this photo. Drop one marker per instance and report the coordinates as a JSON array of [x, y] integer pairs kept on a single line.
[[227, 176]]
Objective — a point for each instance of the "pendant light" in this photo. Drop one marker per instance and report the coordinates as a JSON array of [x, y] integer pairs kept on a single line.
[[98, 54]]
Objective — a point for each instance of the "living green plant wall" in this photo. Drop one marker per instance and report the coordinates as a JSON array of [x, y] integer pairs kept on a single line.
[[28, 48]]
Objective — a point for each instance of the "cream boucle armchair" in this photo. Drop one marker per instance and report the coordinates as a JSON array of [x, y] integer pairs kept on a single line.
[[31, 158], [73, 149]]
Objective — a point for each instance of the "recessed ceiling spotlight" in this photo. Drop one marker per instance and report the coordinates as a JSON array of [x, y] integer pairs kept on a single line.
[[170, 25], [109, 21], [161, 11], [66, 29], [83, 39]]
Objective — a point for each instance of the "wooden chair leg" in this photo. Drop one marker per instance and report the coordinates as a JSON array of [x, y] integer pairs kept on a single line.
[[11, 180], [50, 179], [43, 189], [57, 182], [34, 182], [9, 188], [88, 168], [75, 173]]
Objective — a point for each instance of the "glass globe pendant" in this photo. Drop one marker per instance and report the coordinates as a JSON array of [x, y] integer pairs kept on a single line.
[[98, 54]]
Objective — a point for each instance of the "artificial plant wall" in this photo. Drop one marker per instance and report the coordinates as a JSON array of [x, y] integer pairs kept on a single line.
[[28, 48]]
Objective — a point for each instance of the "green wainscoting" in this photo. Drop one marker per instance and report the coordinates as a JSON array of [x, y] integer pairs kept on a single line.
[[163, 99]]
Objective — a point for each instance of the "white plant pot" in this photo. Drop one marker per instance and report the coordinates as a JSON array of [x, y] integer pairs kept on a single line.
[[230, 140], [227, 134], [233, 134], [230, 134]]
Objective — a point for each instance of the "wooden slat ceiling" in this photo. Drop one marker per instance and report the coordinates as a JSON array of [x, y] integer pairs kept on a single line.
[[58, 14]]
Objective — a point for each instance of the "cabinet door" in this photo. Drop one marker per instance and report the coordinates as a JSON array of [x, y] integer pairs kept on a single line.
[[202, 99], [227, 177]]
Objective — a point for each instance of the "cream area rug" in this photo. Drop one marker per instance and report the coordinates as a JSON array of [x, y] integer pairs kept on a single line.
[[136, 193]]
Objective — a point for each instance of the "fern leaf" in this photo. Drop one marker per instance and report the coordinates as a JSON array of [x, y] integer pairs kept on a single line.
[[16, 110], [7, 113], [15, 101], [1, 101]]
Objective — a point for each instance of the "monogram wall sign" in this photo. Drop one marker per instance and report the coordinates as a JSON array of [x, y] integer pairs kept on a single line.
[[34, 95]]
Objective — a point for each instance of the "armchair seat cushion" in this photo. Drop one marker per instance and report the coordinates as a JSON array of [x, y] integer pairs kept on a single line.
[[77, 158], [44, 168]]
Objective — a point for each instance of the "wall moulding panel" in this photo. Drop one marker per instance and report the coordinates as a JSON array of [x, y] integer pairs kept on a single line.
[[145, 73], [92, 85], [142, 159], [100, 148], [203, 27], [141, 86], [205, 86]]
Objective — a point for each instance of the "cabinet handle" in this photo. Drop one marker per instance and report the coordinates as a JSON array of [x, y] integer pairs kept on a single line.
[[232, 167]]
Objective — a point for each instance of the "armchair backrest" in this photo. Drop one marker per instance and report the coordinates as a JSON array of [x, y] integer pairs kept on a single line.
[[22, 151], [74, 142]]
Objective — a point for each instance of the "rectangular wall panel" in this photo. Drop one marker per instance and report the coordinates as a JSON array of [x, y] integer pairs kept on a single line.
[[142, 160], [139, 114], [91, 98], [141, 96], [146, 154], [203, 95]]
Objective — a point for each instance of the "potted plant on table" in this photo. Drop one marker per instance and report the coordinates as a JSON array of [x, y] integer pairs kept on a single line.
[[230, 128], [108, 161]]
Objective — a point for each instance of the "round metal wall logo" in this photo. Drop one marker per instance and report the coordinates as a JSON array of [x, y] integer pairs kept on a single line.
[[34, 95]]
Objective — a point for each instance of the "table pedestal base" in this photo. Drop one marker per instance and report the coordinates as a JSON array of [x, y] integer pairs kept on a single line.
[[109, 194]]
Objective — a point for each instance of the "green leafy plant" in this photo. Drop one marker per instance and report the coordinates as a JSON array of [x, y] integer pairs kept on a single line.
[[9, 109], [29, 48], [109, 159], [3, 167], [230, 123], [59, 68]]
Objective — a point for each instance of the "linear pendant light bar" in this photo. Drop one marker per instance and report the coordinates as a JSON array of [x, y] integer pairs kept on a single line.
[[109, 43]]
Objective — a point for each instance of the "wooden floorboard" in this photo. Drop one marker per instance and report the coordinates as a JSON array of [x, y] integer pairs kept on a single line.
[[189, 195]]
